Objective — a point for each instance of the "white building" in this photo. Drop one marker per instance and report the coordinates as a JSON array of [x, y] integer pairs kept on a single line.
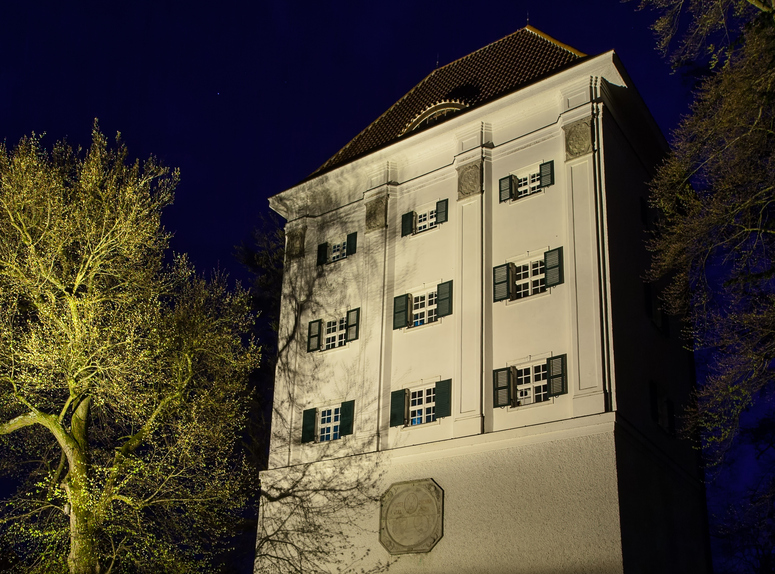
[[463, 304]]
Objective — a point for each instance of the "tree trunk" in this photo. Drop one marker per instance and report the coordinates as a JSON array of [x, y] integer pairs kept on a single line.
[[82, 558]]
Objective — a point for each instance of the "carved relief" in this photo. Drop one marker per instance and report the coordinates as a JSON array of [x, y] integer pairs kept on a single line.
[[469, 180], [376, 213], [578, 138], [294, 243], [411, 516]]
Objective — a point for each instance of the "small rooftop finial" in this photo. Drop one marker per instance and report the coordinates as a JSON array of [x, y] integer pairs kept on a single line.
[[528, 17], [437, 60]]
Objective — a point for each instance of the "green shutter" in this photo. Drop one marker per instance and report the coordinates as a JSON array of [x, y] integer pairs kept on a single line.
[[322, 253], [441, 211], [501, 386], [553, 267], [352, 243], [407, 223], [557, 383], [308, 420], [444, 399], [401, 311], [347, 414], [501, 282], [398, 408], [547, 173], [353, 318], [505, 188], [444, 299], [313, 335]]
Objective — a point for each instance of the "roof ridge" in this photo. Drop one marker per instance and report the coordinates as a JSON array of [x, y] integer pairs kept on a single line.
[[385, 127], [547, 37]]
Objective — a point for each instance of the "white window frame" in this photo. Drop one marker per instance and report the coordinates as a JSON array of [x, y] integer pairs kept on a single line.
[[328, 423], [422, 405], [530, 278], [530, 382], [337, 250], [424, 307], [528, 182], [425, 220], [335, 333]]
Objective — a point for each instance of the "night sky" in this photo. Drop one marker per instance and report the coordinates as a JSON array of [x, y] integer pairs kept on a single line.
[[248, 98]]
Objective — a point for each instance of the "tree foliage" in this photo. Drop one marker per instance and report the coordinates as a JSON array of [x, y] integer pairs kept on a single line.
[[690, 30], [716, 198], [122, 379]]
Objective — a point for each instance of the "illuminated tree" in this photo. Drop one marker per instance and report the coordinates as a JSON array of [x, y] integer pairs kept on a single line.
[[122, 379]]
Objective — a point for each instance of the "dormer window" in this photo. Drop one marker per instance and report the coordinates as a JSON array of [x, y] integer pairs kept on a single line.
[[432, 115]]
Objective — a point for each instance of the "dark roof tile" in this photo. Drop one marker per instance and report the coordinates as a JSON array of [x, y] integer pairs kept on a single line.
[[493, 71]]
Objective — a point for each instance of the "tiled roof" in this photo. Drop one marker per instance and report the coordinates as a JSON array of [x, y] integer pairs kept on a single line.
[[493, 71]]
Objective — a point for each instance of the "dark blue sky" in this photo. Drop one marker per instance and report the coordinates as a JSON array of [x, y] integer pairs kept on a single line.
[[248, 98]]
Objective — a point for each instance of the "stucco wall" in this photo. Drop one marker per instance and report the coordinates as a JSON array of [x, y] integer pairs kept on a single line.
[[541, 502]]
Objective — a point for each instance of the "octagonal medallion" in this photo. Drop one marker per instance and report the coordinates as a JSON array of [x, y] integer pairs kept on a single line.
[[411, 516]]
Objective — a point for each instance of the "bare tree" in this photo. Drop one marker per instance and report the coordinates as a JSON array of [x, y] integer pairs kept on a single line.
[[122, 380]]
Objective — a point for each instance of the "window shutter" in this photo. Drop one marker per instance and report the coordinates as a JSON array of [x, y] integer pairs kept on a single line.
[[353, 318], [401, 307], [308, 420], [322, 253], [441, 211], [444, 299], [547, 173], [352, 243], [407, 223], [398, 408], [558, 377], [501, 282], [505, 188], [347, 414], [501, 385], [313, 335], [553, 266], [444, 398]]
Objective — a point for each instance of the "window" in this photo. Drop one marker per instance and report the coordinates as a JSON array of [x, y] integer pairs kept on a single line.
[[516, 281], [421, 405], [513, 187], [427, 307], [328, 423], [338, 332], [424, 308], [530, 383], [416, 222], [336, 250], [328, 427]]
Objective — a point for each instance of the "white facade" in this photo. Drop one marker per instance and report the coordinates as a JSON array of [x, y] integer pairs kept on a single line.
[[587, 480]]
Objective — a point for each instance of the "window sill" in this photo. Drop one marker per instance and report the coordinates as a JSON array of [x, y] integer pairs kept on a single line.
[[339, 348], [549, 401], [423, 232], [540, 192], [435, 423], [423, 326], [529, 297]]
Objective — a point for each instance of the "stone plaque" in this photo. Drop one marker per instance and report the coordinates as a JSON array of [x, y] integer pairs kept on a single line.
[[294, 244], [411, 516], [469, 181], [376, 213], [578, 138]]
